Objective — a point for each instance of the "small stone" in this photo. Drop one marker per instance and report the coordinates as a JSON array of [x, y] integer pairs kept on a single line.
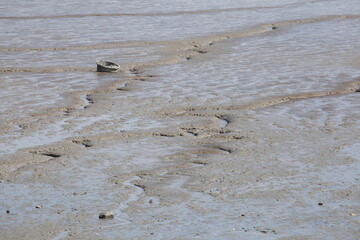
[[106, 215], [79, 193], [352, 214], [150, 201], [7, 211], [357, 90], [39, 206], [320, 203]]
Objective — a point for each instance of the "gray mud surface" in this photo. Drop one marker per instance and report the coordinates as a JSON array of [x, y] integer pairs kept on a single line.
[[222, 123]]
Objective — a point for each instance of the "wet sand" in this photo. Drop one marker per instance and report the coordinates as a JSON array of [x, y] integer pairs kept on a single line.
[[250, 132]]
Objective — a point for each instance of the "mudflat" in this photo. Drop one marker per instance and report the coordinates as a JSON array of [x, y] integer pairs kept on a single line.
[[224, 121]]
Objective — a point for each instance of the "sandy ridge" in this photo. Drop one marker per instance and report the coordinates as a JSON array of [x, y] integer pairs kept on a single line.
[[182, 50]]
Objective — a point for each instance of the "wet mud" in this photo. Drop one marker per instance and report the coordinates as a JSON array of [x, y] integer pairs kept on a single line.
[[246, 133]]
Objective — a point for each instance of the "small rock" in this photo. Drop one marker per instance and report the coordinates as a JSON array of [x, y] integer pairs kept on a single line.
[[79, 193], [320, 203], [150, 201], [106, 215], [357, 90], [352, 214], [39, 206], [7, 211]]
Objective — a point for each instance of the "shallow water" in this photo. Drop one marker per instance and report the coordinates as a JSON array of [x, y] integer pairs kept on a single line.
[[227, 119]]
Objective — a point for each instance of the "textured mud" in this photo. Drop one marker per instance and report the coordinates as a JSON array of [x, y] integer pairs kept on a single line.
[[246, 133]]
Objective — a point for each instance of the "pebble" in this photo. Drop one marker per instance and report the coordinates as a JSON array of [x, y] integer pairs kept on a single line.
[[357, 90], [320, 203], [7, 211], [39, 206], [79, 193], [106, 215]]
